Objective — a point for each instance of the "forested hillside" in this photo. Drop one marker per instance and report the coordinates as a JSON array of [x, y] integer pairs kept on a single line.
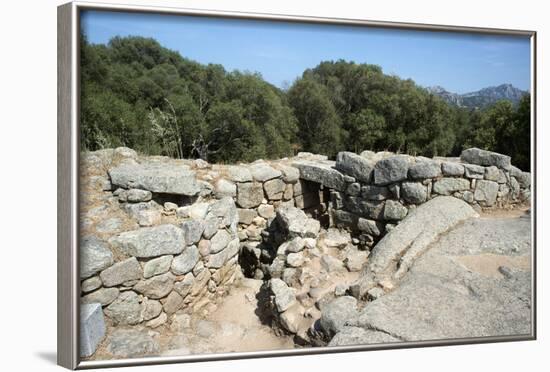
[[139, 94]]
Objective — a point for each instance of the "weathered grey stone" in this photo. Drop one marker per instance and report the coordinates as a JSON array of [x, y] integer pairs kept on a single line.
[[210, 227], [90, 284], [184, 286], [338, 313], [220, 241], [137, 195], [425, 169], [196, 211], [225, 188], [217, 260], [92, 328], [355, 259], [354, 165], [150, 241], [151, 309], [322, 173], [121, 272], [392, 169], [336, 238], [263, 172], [266, 211], [192, 231], [353, 189], [371, 192], [284, 295], [246, 215], [148, 217], [485, 158], [158, 321], [132, 343], [486, 191], [172, 303], [95, 256], [104, 296], [359, 336], [157, 266], [186, 261], [126, 309], [296, 223], [156, 177], [250, 194], [468, 197], [290, 174], [371, 227], [394, 210], [238, 173], [289, 191], [492, 173], [274, 189], [157, 286], [295, 259], [414, 192], [447, 186], [474, 171], [452, 169]]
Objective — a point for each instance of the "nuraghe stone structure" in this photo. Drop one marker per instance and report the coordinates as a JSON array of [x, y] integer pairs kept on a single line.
[[181, 232]]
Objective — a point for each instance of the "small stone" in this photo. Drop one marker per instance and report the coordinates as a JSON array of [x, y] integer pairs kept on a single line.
[[158, 321], [284, 296], [289, 192], [447, 186], [370, 227], [262, 172], [452, 169], [186, 261], [246, 215], [295, 259], [183, 287], [170, 207], [192, 231], [425, 169], [394, 210], [92, 328], [148, 217], [274, 189], [157, 286], [486, 191], [95, 256], [492, 173], [104, 296], [121, 272], [210, 227], [474, 171], [250, 194], [109, 226], [354, 165], [338, 313], [151, 309], [266, 211], [172, 302], [340, 290], [131, 343], [220, 241], [414, 192], [225, 188], [126, 309], [239, 174], [90, 284], [290, 174], [392, 169], [137, 195], [157, 266], [353, 189]]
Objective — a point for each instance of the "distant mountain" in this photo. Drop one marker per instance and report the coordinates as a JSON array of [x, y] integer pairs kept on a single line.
[[481, 98]]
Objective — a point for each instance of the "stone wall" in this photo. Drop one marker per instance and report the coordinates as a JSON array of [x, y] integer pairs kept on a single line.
[[163, 236]]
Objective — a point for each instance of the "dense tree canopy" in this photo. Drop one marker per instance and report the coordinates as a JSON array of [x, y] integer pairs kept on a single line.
[[139, 94]]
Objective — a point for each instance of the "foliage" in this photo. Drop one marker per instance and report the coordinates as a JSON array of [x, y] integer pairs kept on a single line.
[[139, 94]]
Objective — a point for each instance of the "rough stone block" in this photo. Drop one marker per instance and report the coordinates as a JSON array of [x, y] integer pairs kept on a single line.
[[92, 328]]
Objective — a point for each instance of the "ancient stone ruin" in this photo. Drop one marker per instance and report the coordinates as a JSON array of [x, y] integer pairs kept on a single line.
[[165, 240]]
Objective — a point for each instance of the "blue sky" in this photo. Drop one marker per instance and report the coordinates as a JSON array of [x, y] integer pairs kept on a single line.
[[282, 51]]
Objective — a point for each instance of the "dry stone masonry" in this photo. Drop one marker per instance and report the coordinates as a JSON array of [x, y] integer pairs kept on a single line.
[[163, 237]]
